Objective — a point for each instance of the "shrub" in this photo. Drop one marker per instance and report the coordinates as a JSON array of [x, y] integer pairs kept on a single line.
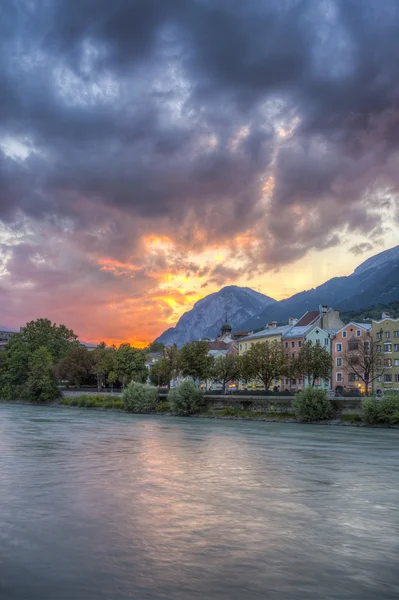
[[140, 397], [312, 405], [187, 399], [119, 404], [163, 406], [384, 410]]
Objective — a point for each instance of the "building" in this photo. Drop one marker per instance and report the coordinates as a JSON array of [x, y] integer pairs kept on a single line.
[[5, 336], [316, 326], [346, 341], [270, 334], [386, 337]]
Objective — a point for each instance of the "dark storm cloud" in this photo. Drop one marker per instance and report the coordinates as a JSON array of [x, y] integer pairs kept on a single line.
[[171, 113]]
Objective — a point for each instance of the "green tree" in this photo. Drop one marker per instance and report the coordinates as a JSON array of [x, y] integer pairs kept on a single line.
[[104, 361], [15, 369], [265, 361], [156, 347], [58, 339], [76, 366], [158, 373], [314, 362], [187, 399], [130, 364], [41, 383], [195, 360], [226, 368], [112, 378]]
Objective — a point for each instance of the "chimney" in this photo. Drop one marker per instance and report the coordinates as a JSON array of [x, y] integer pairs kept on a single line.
[[386, 315], [292, 321], [272, 325], [323, 309]]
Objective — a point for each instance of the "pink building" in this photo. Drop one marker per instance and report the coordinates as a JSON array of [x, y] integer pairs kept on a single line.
[[347, 340]]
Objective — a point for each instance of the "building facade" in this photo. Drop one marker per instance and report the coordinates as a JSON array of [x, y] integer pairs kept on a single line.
[[386, 337], [347, 342]]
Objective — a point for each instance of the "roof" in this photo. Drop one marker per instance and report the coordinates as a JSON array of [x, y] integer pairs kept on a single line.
[[216, 353], [218, 345], [295, 331], [365, 326], [155, 355], [307, 318], [267, 333], [386, 319]]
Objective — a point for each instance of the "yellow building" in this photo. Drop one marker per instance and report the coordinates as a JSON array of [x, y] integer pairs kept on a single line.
[[272, 333]]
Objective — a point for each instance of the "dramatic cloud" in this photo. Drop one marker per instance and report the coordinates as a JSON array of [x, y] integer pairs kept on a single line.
[[150, 149]]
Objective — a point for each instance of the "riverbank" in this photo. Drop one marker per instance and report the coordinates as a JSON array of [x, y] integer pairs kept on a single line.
[[346, 420]]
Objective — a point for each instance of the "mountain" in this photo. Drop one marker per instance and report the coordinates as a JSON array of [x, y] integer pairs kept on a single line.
[[206, 317], [376, 281], [373, 312]]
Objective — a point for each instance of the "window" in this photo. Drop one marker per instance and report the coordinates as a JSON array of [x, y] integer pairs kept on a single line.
[[366, 345], [292, 344], [387, 347], [299, 344], [353, 346], [287, 381], [326, 341], [353, 377], [339, 362], [293, 381], [344, 333], [299, 381], [387, 378], [379, 348], [245, 346], [396, 378], [396, 334], [396, 347], [286, 344], [339, 376], [379, 378], [358, 333], [396, 363], [388, 362], [240, 346], [379, 335], [338, 347], [318, 342], [387, 334]]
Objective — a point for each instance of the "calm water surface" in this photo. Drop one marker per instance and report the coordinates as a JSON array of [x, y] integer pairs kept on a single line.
[[100, 506]]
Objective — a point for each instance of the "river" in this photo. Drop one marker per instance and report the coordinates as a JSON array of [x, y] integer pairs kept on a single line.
[[108, 506]]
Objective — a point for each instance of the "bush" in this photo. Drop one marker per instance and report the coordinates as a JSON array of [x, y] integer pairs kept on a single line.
[[383, 411], [140, 397], [312, 405], [187, 399], [163, 406]]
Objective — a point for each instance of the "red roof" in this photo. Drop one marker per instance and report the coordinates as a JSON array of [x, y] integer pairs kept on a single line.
[[307, 318], [218, 346]]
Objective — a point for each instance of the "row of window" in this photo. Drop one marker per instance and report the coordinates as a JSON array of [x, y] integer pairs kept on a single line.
[[388, 347], [287, 344], [387, 334], [358, 333], [388, 378]]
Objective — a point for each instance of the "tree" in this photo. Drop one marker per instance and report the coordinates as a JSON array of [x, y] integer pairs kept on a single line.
[[58, 339], [265, 361], [76, 366], [226, 368], [159, 373], [42, 384], [363, 360], [314, 362], [156, 347], [130, 364], [15, 369], [196, 361], [112, 379], [103, 363]]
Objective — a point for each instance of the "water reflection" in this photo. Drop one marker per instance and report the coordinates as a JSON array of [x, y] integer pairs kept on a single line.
[[100, 506]]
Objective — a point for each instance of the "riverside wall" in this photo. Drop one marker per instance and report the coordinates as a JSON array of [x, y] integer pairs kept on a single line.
[[281, 404]]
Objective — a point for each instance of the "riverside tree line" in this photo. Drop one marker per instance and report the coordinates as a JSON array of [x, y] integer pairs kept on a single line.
[[44, 354]]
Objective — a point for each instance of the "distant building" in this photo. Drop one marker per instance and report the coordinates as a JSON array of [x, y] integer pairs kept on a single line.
[[345, 341], [386, 337]]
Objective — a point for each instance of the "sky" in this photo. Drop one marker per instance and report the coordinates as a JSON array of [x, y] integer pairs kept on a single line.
[[153, 151]]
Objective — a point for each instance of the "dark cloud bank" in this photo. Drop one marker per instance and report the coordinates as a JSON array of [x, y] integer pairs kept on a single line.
[[171, 116]]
